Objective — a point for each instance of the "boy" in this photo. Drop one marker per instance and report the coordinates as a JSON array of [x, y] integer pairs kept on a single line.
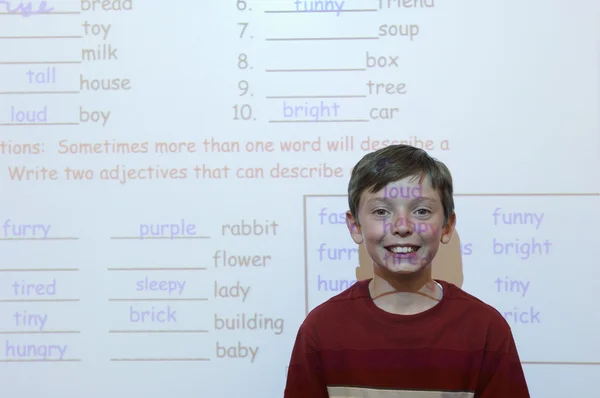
[[401, 333]]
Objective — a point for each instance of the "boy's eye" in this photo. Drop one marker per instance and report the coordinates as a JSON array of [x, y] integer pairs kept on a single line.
[[380, 212], [423, 212]]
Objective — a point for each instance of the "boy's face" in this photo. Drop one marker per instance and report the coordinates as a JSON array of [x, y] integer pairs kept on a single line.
[[401, 226]]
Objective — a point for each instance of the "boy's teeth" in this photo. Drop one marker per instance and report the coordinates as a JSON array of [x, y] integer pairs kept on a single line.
[[402, 249]]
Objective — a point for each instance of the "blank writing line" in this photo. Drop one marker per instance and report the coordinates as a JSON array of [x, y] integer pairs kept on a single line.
[[64, 238], [45, 13], [37, 269], [158, 237], [157, 359], [40, 301], [157, 331], [159, 269], [321, 121], [478, 194], [526, 194], [315, 96], [40, 37], [40, 360], [321, 38], [315, 70], [318, 11], [561, 363], [40, 124], [42, 332], [39, 62], [36, 92], [158, 299]]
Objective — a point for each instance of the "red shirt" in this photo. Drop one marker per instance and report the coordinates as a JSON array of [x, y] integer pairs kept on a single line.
[[460, 348]]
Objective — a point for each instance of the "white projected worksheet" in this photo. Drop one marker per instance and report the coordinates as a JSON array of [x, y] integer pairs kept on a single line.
[[174, 175]]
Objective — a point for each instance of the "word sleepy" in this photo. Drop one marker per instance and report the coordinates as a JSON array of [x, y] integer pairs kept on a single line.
[[34, 351], [170, 286]]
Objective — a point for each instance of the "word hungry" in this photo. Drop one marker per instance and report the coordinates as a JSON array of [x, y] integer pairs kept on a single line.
[[349, 254], [523, 249], [334, 285], [12, 230], [34, 351], [249, 322], [236, 351], [171, 231], [517, 218], [169, 286], [319, 6]]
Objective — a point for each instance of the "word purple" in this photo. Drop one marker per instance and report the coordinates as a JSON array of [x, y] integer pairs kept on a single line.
[[25, 9], [171, 231]]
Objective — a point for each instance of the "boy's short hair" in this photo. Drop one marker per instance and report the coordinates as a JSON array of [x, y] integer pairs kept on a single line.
[[396, 162]]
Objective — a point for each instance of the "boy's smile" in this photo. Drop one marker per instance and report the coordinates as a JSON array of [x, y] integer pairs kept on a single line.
[[401, 232]]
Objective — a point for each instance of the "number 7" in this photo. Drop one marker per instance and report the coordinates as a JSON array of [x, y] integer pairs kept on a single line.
[[245, 25]]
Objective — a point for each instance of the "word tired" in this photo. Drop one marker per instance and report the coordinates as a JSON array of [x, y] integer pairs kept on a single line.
[[26, 9], [34, 289], [319, 6]]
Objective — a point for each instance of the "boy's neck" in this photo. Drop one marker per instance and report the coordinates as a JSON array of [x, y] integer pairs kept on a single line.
[[405, 295]]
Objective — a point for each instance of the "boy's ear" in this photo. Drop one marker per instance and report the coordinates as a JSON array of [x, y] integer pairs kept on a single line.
[[448, 229], [354, 228]]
